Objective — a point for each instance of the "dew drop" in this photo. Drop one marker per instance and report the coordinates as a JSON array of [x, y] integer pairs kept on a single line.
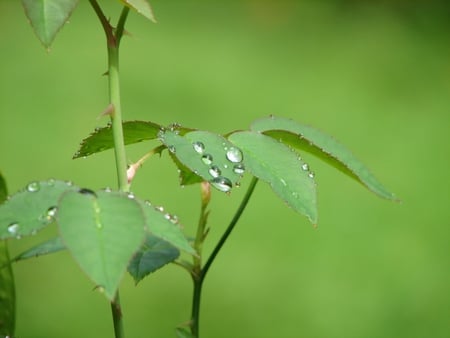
[[69, 183], [207, 159], [33, 187], [130, 195], [51, 212], [214, 171], [174, 219], [222, 183], [107, 189], [234, 155], [239, 169], [13, 228], [172, 149], [199, 147], [311, 174], [86, 191], [283, 182], [159, 208], [147, 202], [305, 166], [51, 182], [167, 217]]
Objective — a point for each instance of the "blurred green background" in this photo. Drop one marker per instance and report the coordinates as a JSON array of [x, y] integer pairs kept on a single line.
[[375, 74]]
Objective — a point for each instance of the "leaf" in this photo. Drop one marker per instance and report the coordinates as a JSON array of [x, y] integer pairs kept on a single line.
[[187, 176], [48, 16], [31, 209], [102, 138], [183, 333], [142, 7], [276, 164], [153, 255], [323, 146], [164, 226], [48, 247], [7, 289], [208, 155], [102, 231]]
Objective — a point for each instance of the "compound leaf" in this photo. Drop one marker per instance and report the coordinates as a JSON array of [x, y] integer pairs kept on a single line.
[[102, 138], [102, 231], [31, 209], [207, 155], [48, 16], [281, 167], [323, 146], [153, 255]]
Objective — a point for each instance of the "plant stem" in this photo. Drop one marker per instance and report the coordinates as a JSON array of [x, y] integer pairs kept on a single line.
[[113, 41], [198, 275]]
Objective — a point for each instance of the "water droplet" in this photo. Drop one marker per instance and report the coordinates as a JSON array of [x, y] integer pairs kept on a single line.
[[159, 208], [174, 219], [33, 187], [51, 212], [199, 147], [86, 191], [147, 202], [13, 228], [130, 195], [207, 159], [234, 155], [69, 183], [107, 189], [305, 166], [311, 175], [214, 171], [172, 149], [239, 169], [51, 182], [167, 217], [222, 183], [283, 182]]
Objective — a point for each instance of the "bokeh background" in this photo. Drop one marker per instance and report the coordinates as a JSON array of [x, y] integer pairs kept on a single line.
[[375, 74]]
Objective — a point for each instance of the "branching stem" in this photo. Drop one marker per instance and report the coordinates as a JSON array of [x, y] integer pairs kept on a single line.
[[199, 274]]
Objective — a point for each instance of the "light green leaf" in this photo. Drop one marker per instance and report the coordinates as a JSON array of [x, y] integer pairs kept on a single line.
[[31, 209], [165, 226], [7, 289], [142, 7], [48, 16], [208, 155], [323, 146], [153, 255], [102, 138], [48, 247], [183, 333], [281, 167], [102, 231]]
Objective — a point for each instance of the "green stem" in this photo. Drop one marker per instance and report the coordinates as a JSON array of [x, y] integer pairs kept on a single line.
[[198, 275], [113, 41]]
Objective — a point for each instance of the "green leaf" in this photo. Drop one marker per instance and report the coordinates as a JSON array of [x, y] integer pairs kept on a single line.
[[102, 231], [323, 146], [102, 138], [183, 333], [7, 289], [165, 226], [31, 209], [186, 175], [208, 155], [153, 255], [48, 247], [281, 167], [48, 16], [142, 7]]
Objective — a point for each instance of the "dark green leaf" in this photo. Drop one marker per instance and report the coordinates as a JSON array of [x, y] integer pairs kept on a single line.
[[31, 209], [323, 146], [281, 167], [183, 333], [7, 289], [102, 231], [142, 7], [48, 247], [208, 155], [153, 255], [48, 16], [102, 138]]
